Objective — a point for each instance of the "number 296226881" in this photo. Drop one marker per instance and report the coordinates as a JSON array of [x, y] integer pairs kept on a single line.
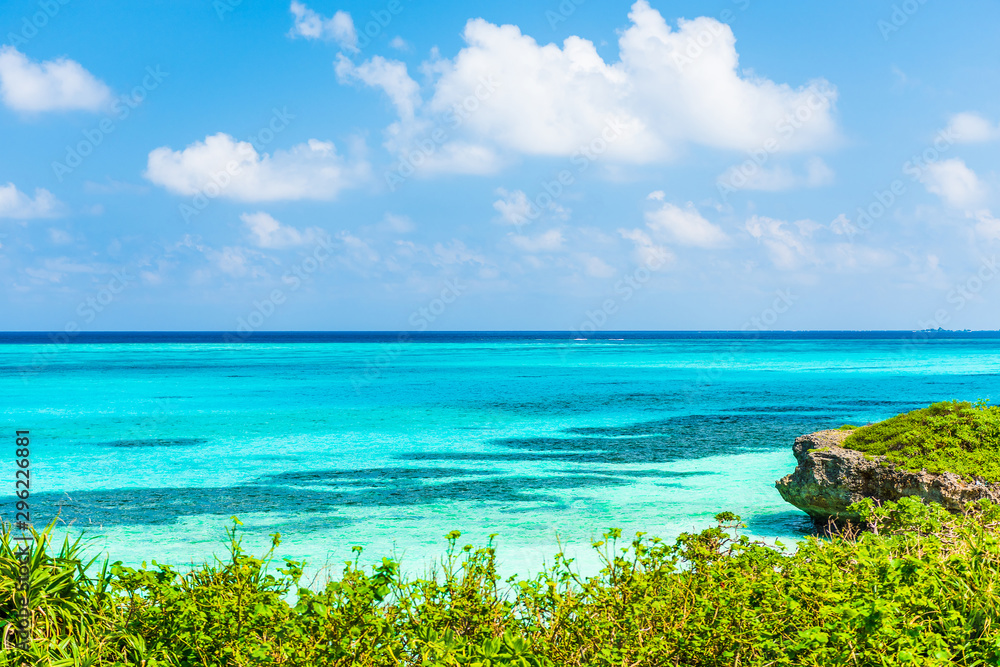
[[22, 521]]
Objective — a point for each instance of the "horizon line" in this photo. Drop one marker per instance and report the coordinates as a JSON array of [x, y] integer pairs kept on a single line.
[[483, 331]]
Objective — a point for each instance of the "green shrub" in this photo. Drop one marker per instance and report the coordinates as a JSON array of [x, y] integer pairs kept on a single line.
[[75, 616], [919, 587], [955, 436]]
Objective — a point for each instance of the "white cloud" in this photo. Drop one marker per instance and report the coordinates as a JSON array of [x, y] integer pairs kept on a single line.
[[44, 275], [970, 128], [648, 251], [310, 25], [456, 252], [269, 233], [787, 250], [453, 157], [408, 256], [399, 44], [853, 257], [986, 225], [550, 241], [53, 85], [509, 94], [954, 182], [54, 269], [20, 206], [222, 166], [817, 173], [684, 226], [514, 208], [234, 261], [842, 226], [806, 243], [769, 179], [389, 75], [356, 252], [779, 177]]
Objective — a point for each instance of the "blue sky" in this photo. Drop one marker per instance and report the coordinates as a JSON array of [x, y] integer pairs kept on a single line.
[[578, 165]]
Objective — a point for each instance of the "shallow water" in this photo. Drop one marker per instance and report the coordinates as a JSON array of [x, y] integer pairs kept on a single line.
[[357, 439]]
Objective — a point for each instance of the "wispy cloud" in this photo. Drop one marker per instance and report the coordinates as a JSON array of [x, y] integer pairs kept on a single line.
[[311, 25], [269, 233]]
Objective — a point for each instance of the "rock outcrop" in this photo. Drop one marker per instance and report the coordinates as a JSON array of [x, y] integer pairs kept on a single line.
[[828, 478]]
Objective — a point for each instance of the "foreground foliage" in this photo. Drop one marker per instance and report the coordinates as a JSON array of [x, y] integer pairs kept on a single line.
[[918, 587], [954, 436]]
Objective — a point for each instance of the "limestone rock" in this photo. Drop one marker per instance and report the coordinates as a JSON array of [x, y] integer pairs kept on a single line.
[[828, 478]]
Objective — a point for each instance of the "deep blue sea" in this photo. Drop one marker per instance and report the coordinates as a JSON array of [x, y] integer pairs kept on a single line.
[[150, 442]]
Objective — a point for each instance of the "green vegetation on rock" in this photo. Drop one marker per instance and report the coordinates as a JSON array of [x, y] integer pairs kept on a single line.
[[920, 587], [956, 437]]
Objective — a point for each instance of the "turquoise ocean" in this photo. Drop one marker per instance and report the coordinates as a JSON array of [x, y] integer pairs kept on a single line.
[[151, 442]]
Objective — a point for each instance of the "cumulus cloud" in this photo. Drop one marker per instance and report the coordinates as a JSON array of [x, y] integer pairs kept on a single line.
[[389, 75], [52, 85], [223, 166], [310, 25], [21, 206], [509, 94], [269, 233], [971, 128], [684, 226], [954, 182]]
